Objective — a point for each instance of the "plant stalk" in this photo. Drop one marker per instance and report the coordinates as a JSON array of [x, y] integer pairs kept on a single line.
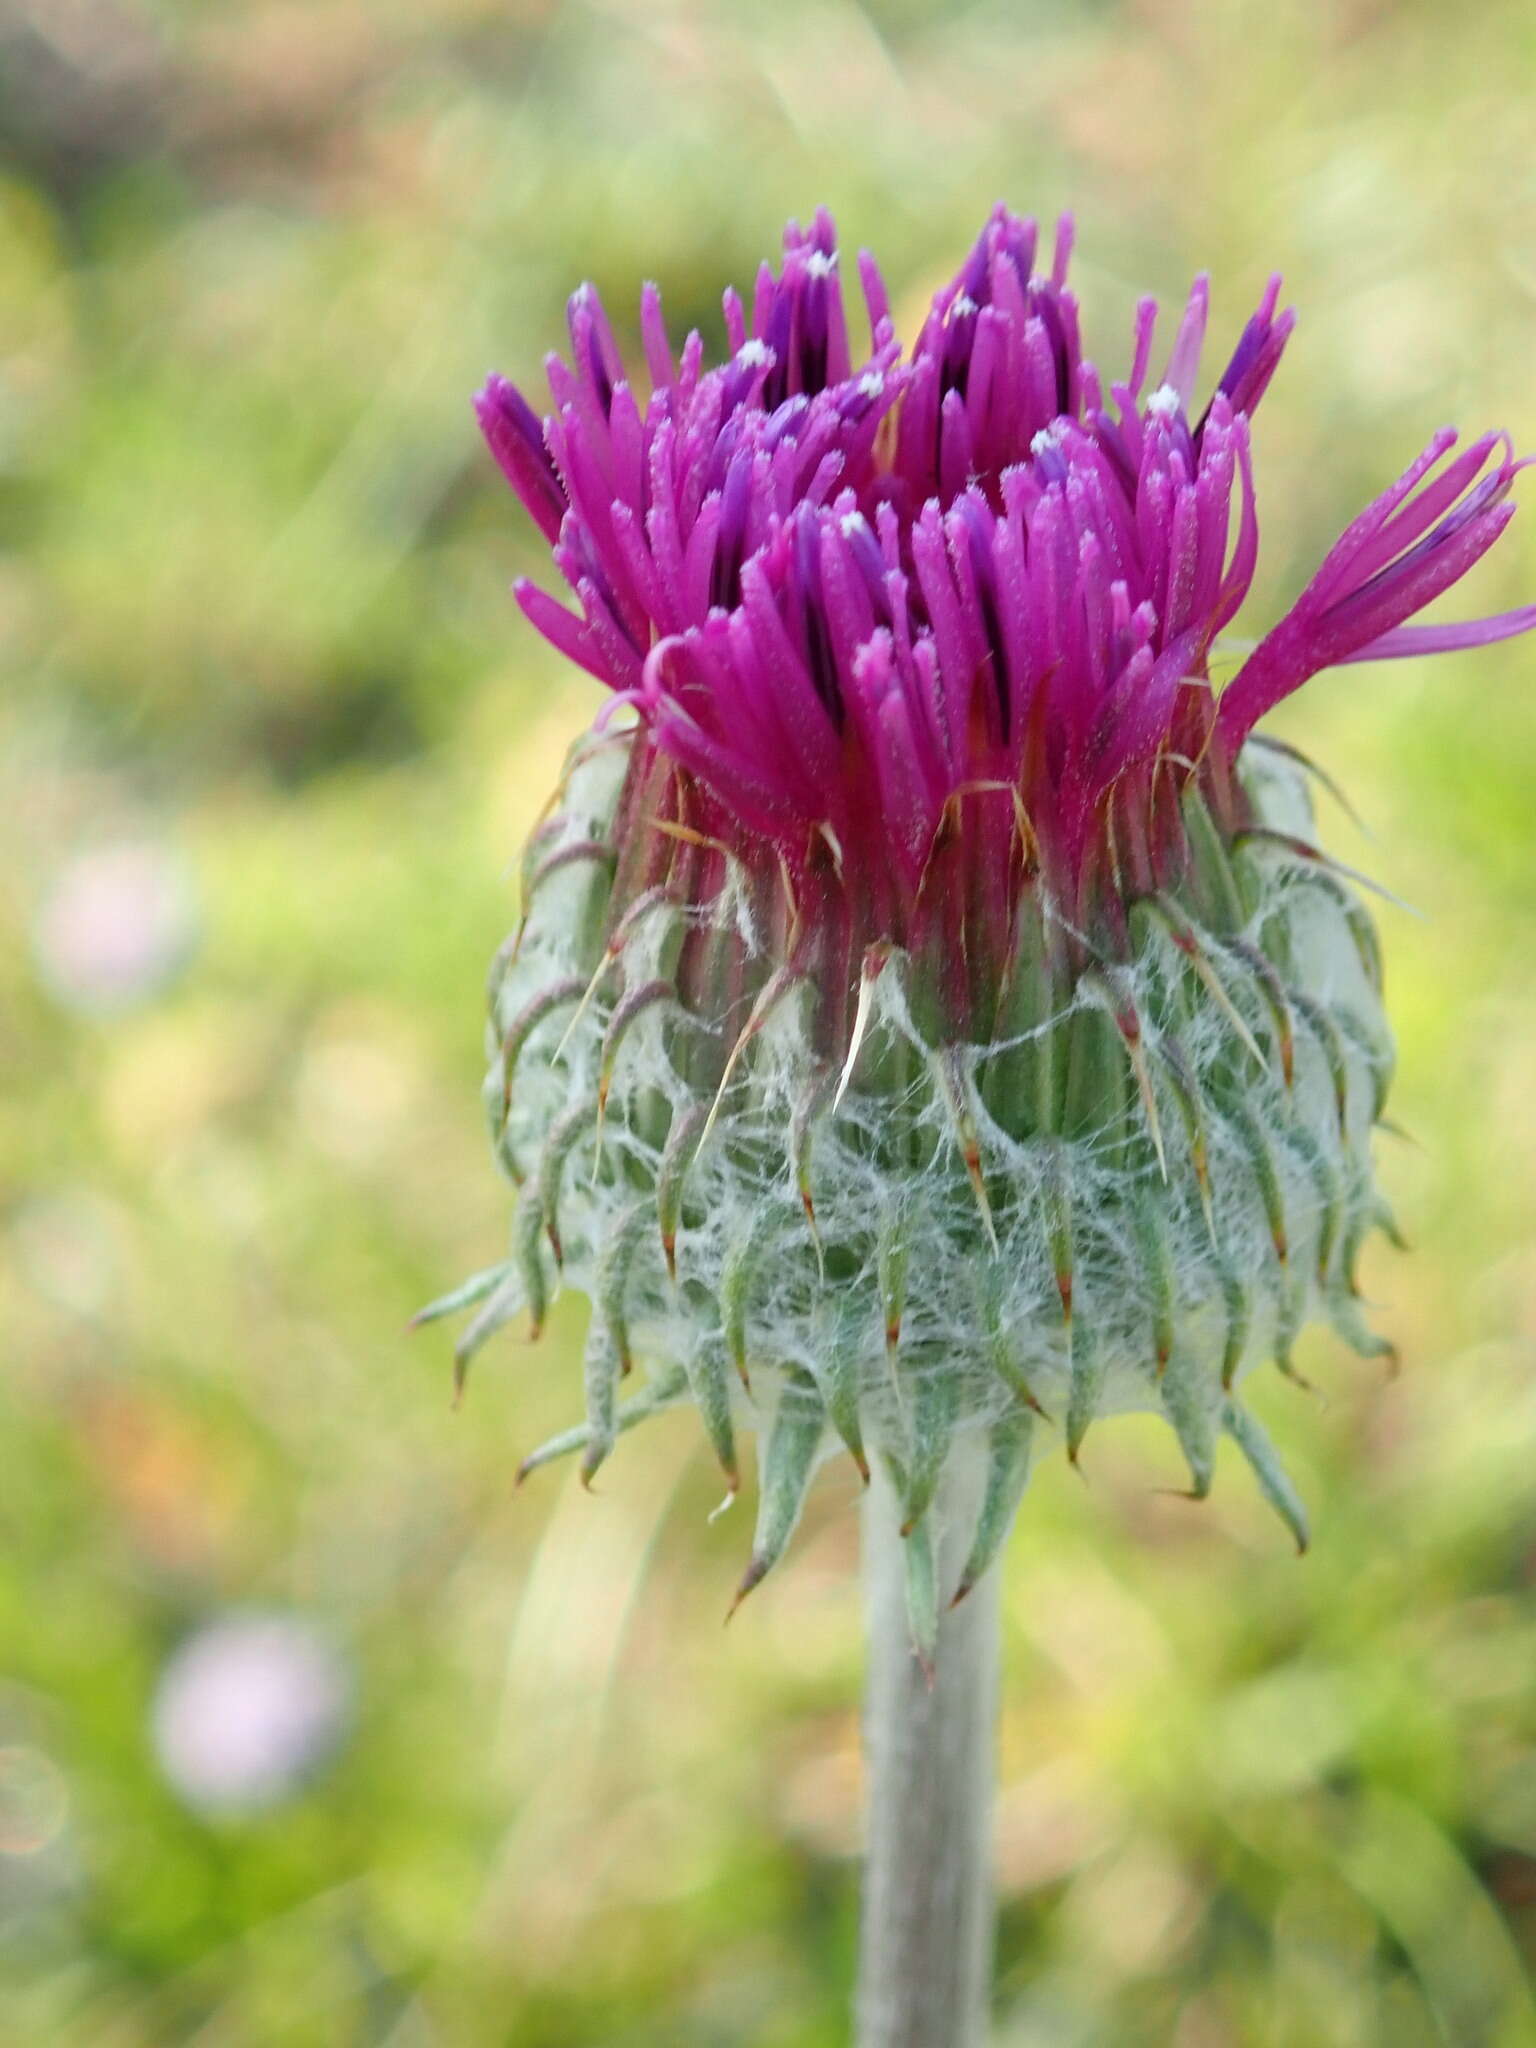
[[925, 1955]]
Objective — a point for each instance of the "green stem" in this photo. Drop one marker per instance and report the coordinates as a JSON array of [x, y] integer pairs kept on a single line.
[[925, 1957]]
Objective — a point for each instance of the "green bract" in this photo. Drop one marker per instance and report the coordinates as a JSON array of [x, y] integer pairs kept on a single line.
[[1143, 1184]]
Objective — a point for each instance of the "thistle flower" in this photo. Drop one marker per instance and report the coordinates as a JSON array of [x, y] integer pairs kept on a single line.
[[932, 1022]]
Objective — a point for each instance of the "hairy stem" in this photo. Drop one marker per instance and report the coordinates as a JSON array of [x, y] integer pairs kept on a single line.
[[926, 1947]]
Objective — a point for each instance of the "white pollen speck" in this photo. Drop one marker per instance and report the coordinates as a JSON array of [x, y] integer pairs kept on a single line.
[[852, 523], [1165, 402], [962, 303], [821, 263], [871, 384], [753, 354], [1047, 438]]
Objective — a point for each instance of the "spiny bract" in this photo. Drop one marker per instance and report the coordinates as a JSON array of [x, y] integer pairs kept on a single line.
[[932, 1021]]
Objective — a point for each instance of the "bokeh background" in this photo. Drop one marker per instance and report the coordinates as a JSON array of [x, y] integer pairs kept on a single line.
[[312, 1731]]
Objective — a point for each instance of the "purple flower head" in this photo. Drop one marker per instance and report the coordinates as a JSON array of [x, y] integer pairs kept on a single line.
[[957, 609], [927, 1012]]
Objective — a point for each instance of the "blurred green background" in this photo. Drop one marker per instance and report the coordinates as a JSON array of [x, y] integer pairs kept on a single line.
[[270, 733]]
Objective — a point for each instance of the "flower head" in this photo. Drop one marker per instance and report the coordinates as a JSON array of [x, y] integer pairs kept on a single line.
[[941, 988]]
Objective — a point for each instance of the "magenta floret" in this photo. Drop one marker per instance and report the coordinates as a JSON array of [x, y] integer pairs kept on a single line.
[[865, 603]]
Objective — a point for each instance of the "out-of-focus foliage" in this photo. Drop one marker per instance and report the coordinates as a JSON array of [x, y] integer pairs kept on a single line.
[[270, 731]]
